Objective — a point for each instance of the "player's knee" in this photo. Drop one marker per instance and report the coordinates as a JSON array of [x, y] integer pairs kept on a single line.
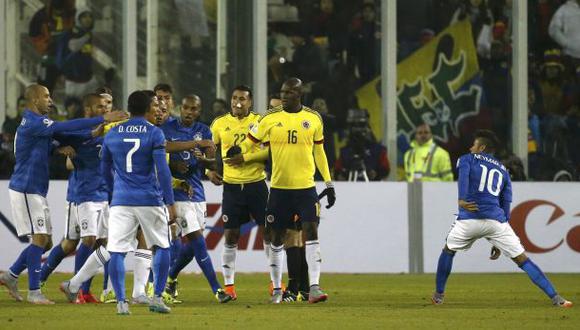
[[232, 236], [293, 239], [194, 235], [310, 231], [519, 260], [89, 241], [48, 245], [447, 250], [68, 246], [278, 236], [40, 240], [267, 233]]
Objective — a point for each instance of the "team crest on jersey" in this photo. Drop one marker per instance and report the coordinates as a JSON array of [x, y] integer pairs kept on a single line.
[[251, 126], [85, 224], [279, 124], [270, 218], [227, 129], [197, 137], [225, 218], [306, 124], [40, 222]]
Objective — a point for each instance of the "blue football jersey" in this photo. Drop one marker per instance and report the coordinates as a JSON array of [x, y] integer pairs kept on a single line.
[[130, 148], [89, 184], [485, 181], [32, 148], [175, 131]]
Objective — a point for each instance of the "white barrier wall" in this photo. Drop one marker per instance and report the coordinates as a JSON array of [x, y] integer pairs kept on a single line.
[[546, 217], [365, 232]]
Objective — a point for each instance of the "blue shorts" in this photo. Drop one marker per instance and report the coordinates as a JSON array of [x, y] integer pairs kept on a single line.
[[285, 206], [242, 202]]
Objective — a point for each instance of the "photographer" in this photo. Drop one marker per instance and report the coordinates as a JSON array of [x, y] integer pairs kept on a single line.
[[363, 158]]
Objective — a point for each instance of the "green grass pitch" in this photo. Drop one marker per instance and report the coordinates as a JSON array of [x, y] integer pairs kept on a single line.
[[499, 301]]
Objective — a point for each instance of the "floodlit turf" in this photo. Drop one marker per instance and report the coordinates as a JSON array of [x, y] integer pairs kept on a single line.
[[504, 301]]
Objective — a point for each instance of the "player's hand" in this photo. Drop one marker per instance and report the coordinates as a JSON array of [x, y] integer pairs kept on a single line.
[[236, 160], [98, 131], [330, 196], [215, 178], [469, 206], [187, 188], [232, 151], [114, 116], [205, 144], [179, 166], [495, 253], [172, 213], [67, 151]]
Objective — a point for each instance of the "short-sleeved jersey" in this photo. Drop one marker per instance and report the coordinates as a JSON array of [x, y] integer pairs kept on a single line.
[[292, 137], [32, 148], [485, 181], [129, 146], [228, 131], [89, 184], [175, 131]]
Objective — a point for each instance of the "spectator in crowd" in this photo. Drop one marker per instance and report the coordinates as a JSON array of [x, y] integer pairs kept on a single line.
[[565, 28], [426, 161], [534, 134], [307, 61], [218, 107], [364, 49], [11, 124], [75, 56], [46, 28], [73, 107], [442, 12], [329, 23], [477, 12], [573, 120], [362, 153], [496, 83], [329, 122]]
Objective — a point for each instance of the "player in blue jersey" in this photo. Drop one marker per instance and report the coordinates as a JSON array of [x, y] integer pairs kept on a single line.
[[29, 185], [191, 208], [135, 150], [87, 196], [485, 195]]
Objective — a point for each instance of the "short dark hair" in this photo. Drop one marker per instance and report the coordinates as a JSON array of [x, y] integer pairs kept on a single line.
[[489, 139], [244, 88], [139, 102], [163, 87], [90, 98], [104, 90]]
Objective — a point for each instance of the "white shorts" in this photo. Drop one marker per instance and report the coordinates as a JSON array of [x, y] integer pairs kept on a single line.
[[72, 230], [30, 213], [464, 233], [93, 218], [125, 220], [190, 216]]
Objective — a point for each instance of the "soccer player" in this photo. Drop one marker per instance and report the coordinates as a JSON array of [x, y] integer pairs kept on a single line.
[[135, 150], [485, 195], [88, 199], [191, 208], [29, 185], [295, 133], [245, 191]]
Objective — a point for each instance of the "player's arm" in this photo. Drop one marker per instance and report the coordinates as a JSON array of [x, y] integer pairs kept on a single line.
[[179, 146], [164, 177], [463, 166], [322, 165], [505, 197], [51, 127], [107, 168]]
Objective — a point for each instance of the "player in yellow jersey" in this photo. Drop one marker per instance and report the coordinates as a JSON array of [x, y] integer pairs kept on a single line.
[[245, 191], [295, 133]]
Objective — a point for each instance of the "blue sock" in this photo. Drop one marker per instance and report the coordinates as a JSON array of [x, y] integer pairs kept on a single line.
[[184, 258], [204, 262], [175, 247], [443, 270], [20, 264], [83, 253], [538, 277], [54, 259], [161, 261], [33, 260], [106, 276], [117, 273]]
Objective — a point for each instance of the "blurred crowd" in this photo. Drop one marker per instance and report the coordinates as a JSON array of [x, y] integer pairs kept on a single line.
[[334, 47]]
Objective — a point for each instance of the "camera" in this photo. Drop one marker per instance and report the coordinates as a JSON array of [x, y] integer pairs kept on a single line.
[[359, 135]]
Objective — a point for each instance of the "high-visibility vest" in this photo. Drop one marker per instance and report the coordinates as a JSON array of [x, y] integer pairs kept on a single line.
[[428, 162]]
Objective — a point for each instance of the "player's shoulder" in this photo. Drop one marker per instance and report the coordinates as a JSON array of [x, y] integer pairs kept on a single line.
[[219, 120], [254, 116], [271, 113], [311, 113], [464, 159]]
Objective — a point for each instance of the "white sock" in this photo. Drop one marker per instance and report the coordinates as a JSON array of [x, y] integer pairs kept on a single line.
[[229, 263], [267, 249], [276, 259], [91, 267], [314, 260], [141, 271]]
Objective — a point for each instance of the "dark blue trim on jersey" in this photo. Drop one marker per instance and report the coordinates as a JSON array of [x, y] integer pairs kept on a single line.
[[68, 222], [29, 216]]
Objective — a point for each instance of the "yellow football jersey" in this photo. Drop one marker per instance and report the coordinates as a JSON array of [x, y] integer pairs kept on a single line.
[[227, 131], [292, 137]]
